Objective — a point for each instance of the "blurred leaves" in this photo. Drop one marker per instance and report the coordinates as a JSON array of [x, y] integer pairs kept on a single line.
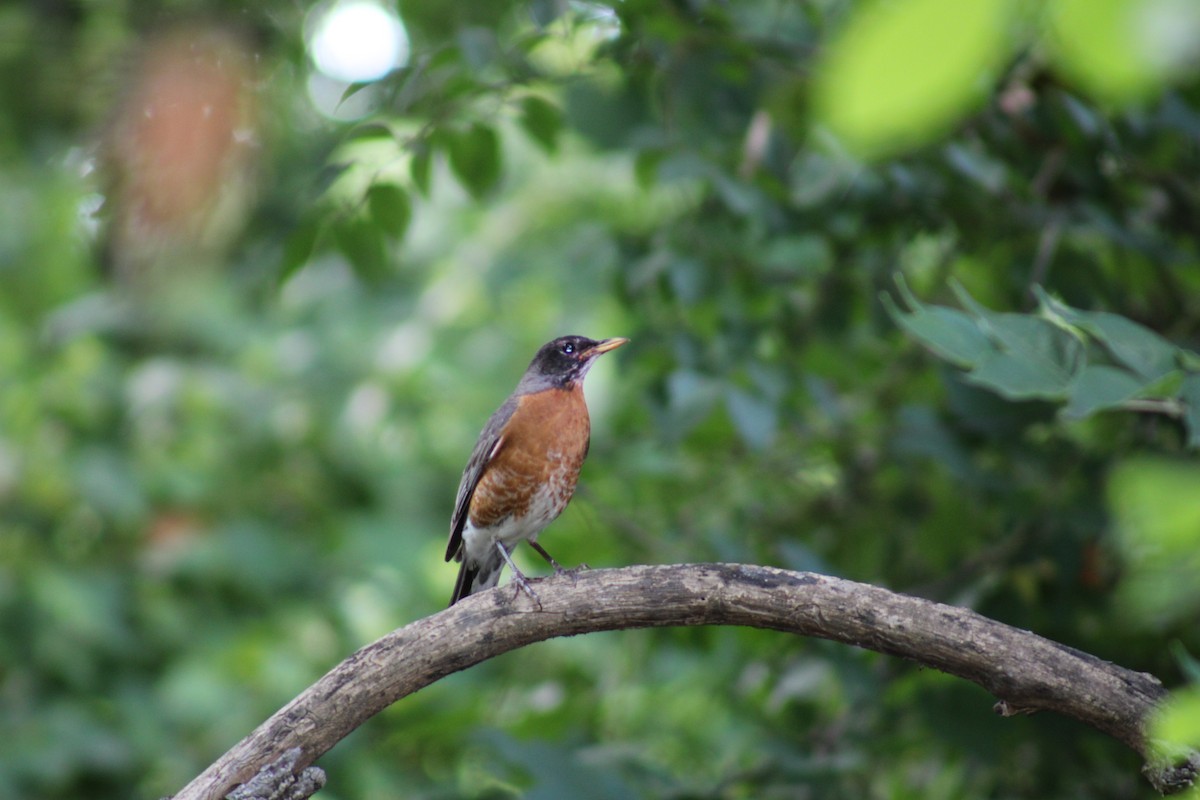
[[475, 157], [299, 246], [1158, 519], [897, 73], [1122, 50], [542, 120], [1047, 355], [390, 208], [363, 244], [1175, 731]]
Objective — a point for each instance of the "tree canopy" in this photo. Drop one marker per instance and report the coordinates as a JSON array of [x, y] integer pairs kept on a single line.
[[913, 290]]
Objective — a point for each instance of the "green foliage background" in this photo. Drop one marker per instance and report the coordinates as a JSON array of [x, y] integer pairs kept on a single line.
[[214, 487]]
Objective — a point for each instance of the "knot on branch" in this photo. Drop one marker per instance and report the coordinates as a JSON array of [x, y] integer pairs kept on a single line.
[[1173, 777], [280, 781]]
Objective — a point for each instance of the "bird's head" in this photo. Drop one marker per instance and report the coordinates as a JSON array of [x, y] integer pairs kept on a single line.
[[565, 360]]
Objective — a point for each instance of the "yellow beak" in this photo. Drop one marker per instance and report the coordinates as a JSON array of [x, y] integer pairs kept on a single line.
[[604, 346]]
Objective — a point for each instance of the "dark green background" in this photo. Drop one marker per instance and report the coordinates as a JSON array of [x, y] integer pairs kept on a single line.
[[221, 476]]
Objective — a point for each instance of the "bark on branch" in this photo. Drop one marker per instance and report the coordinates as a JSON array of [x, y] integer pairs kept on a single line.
[[1024, 671]]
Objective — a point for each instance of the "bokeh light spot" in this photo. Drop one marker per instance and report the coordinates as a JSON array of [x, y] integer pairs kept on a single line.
[[357, 41]]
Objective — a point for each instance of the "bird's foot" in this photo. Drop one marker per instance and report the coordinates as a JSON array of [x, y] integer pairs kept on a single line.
[[559, 569], [573, 572], [518, 578], [522, 585]]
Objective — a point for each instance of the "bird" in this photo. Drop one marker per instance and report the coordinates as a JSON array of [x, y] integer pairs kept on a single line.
[[523, 470]]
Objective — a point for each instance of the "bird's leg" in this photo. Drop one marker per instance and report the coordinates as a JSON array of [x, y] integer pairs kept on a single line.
[[518, 577], [558, 568]]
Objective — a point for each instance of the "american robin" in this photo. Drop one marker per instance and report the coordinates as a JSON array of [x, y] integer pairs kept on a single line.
[[523, 470]]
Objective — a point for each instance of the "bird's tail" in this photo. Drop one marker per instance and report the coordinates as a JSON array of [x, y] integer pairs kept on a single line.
[[476, 577]]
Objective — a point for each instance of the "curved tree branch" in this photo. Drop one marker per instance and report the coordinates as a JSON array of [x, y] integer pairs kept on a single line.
[[1024, 671]]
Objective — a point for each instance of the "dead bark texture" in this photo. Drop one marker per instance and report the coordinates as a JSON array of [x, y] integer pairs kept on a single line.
[[1025, 672]]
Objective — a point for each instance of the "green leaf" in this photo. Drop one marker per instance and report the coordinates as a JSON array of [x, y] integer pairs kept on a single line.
[[900, 72], [1188, 360], [1158, 530], [299, 247], [390, 208], [1156, 508], [370, 130], [1137, 347], [1121, 50], [1017, 378], [1098, 387], [475, 158], [362, 243], [353, 89], [1168, 385], [1176, 723], [1134, 346], [1047, 346], [974, 306], [950, 334], [1052, 356], [542, 120], [422, 159], [1017, 355]]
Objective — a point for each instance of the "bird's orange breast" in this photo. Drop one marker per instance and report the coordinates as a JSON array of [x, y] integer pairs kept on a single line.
[[537, 466]]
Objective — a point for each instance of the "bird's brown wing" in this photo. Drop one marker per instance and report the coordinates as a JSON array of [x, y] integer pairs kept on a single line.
[[489, 444]]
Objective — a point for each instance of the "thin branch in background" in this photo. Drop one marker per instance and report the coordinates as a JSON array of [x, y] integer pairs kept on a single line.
[[1171, 407], [1047, 247]]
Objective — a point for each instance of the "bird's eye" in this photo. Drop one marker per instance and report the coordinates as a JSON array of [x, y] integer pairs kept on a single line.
[[568, 348]]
